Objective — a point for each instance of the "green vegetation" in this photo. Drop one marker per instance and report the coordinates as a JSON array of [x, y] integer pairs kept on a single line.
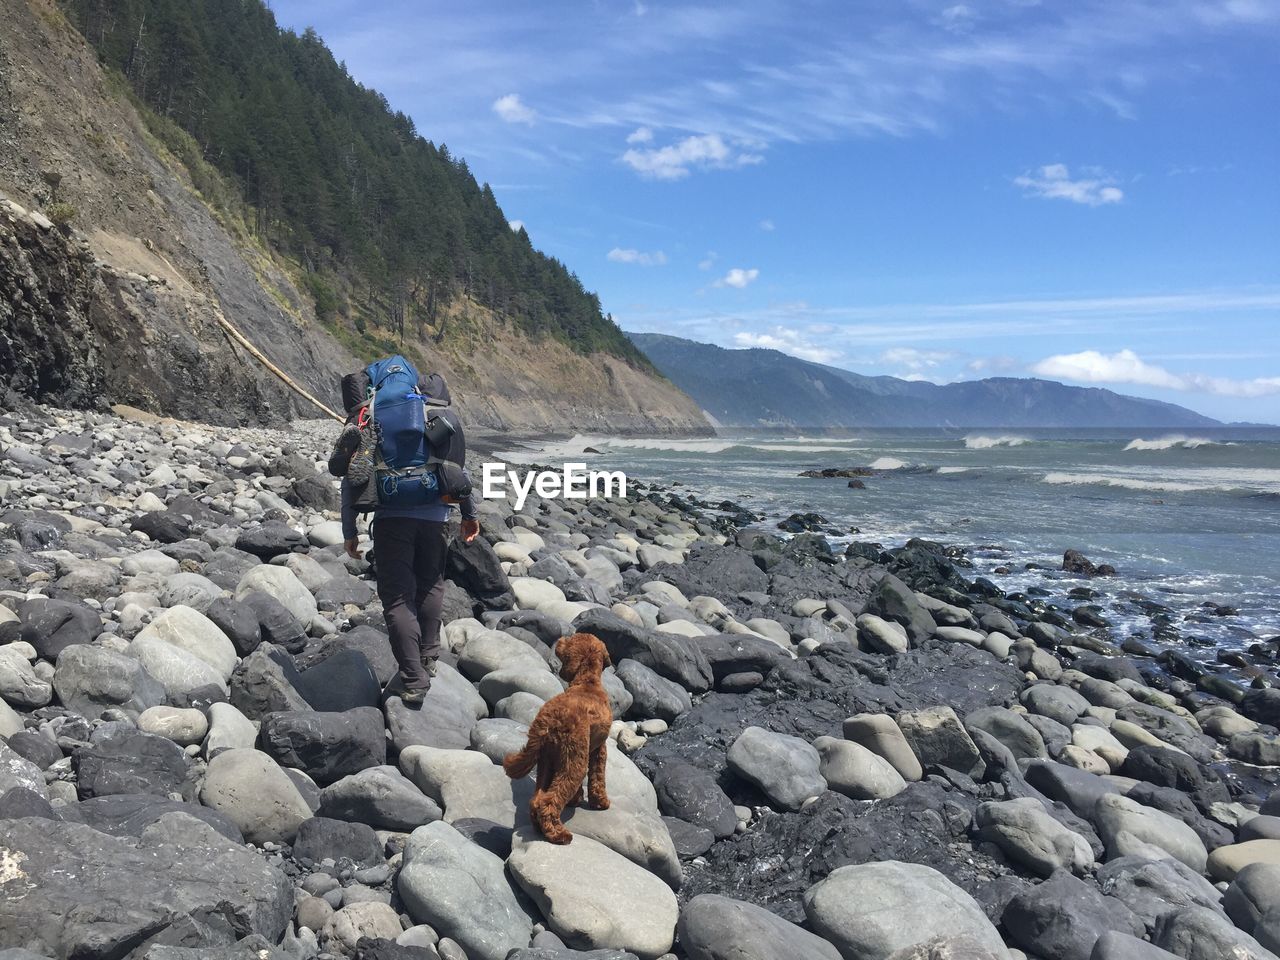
[[385, 225], [60, 213]]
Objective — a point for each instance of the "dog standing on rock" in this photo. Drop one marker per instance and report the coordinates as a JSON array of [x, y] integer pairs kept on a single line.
[[568, 739]]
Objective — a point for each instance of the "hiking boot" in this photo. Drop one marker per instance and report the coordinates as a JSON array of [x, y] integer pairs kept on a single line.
[[360, 470], [344, 450], [431, 665], [413, 698]]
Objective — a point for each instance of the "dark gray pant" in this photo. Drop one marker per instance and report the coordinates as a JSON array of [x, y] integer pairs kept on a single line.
[[410, 557]]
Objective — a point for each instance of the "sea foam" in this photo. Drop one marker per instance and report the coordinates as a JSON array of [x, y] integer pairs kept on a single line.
[[986, 443], [1170, 443]]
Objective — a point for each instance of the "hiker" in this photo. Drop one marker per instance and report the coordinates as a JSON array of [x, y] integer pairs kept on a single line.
[[401, 458]]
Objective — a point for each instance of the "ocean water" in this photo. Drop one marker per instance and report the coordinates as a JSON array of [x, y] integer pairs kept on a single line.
[[1186, 518]]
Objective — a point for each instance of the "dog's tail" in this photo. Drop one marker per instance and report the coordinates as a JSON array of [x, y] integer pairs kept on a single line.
[[519, 764]]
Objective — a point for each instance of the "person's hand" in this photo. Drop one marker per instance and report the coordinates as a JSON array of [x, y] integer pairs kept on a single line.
[[470, 530], [353, 548]]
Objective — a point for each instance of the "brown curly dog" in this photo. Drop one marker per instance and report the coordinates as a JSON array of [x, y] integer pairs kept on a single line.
[[568, 738]]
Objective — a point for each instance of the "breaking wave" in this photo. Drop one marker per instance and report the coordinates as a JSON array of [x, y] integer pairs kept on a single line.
[[1170, 443], [986, 443]]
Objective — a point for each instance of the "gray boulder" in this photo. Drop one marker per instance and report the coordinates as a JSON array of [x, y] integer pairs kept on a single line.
[[1062, 918], [869, 911], [1150, 888], [894, 600], [1028, 835], [855, 771], [90, 678], [462, 891], [1196, 933], [652, 696], [785, 768], [939, 740], [1022, 739], [251, 790], [670, 655], [72, 891], [713, 927], [382, 797]]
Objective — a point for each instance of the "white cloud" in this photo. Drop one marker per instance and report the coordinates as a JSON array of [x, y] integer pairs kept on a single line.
[[638, 257], [516, 225], [767, 225], [640, 135], [789, 341], [1092, 366], [738, 277], [709, 261], [513, 110], [706, 152], [913, 359], [1054, 182]]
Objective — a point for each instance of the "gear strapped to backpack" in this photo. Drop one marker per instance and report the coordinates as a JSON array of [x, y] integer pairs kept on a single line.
[[401, 461]]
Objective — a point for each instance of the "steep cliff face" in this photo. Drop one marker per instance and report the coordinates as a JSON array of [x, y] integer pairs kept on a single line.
[[139, 267]]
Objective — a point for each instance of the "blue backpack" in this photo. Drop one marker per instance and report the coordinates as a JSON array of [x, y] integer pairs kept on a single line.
[[404, 471]]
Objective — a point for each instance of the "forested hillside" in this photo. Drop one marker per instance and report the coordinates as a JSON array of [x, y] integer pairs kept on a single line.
[[387, 228]]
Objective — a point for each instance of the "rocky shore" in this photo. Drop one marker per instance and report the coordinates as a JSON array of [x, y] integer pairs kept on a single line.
[[866, 755]]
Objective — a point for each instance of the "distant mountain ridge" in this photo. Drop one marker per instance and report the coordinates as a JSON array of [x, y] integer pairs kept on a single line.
[[759, 387]]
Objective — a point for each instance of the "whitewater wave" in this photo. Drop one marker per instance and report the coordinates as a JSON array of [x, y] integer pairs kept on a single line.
[[986, 443], [888, 463], [954, 469], [1134, 483], [1170, 443]]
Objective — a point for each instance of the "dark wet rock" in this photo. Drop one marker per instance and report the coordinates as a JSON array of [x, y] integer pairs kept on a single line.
[[812, 697], [1073, 561], [1170, 768], [162, 526], [1062, 918], [340, 682], [713, 927], [263, 683], [894, 600], [1169, 728], [228, 566], [924, 565], [238, 621], [321, 837], [34, 747], [53, 625], [711, 570], [691, 794], [689, 840], [328, 746], [129, 814], [18, 802], [740, 682], [779, 858], [368, 641], [1114, 945], [476, 568], [271, 539], [275, 623], [84, 893], [670, 655], [133, 762], [652, 696], [737, 653]]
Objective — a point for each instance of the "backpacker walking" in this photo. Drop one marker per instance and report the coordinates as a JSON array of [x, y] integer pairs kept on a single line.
[[401, 457]]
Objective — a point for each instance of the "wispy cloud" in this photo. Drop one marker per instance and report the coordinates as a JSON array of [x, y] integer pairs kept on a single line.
[[789, 341], [737, 277], [513, 110], [640, 135], [619, 255], [1054, 182], [909, 358], [516, 225], [709, 261], [1125, 366], [674, 161], [767, 225]]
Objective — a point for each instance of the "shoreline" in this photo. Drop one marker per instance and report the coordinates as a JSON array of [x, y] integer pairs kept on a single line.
[[799, 736]]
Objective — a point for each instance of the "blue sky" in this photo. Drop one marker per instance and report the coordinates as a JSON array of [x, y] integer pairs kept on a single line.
[[1087, 190]]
